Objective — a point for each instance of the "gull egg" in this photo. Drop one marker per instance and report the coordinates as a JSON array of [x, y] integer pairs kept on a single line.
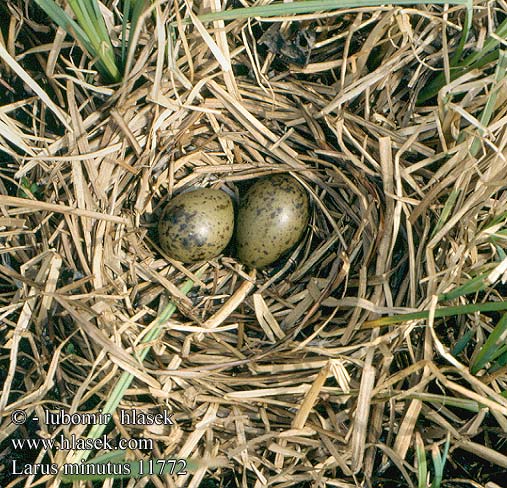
[[196, 225], [272, 217]]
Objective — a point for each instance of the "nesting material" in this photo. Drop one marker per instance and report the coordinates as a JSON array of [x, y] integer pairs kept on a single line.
[[282, 374]]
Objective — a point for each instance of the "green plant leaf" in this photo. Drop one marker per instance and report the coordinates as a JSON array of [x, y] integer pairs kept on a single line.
[[133, 11], [439, 461], [466, 32], [446, 212], [486, 55], [422, 466], [494, 346], [439, 312], [500, 362], [478, 283], [489, 108], [306, 7], [89, 30], [462, 342], [448, 401]]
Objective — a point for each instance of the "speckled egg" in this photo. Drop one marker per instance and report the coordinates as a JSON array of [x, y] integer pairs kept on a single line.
[[272, 217], [196, 225]]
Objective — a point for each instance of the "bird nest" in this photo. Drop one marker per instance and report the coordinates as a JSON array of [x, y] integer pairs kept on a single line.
[[287, 375]]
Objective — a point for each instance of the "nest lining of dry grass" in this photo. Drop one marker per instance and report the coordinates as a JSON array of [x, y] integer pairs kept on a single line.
[[276, 371]]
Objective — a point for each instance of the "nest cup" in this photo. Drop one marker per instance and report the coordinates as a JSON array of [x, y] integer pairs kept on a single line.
[[287, 317], [342, 231]]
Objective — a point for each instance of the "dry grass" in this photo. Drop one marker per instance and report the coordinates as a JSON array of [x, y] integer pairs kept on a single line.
[[278, 371]]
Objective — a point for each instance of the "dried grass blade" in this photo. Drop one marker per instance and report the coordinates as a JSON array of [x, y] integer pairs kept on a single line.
[[484, 452], [216, 51], [13, 338], [10, 132], [299, 420], [53, 207], [266, 319], [126, 378], [404, 436], [230, 305], [14, 65], [361, 418]]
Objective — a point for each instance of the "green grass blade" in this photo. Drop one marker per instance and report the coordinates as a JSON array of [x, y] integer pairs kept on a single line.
[[422, 466], [84, 20], [499, 250], [491, 43], [124, 23], [497, 238], [109, 457], [500, 362], [446, 401], [60, 18], [446, 448], [99, 26], [306, 7], [439, 462], [498, 219], [434, 86], [462, 342], [89, 30], [91, 20], [437, 466], [82, 17], [498, 357], [464, 35], [486, 55], [137, 11], [439, 312], [489, 108], [479, 283], [493, 347]]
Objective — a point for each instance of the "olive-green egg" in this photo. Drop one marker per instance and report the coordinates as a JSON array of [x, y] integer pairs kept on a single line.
[[272, 217], [196, 225]]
